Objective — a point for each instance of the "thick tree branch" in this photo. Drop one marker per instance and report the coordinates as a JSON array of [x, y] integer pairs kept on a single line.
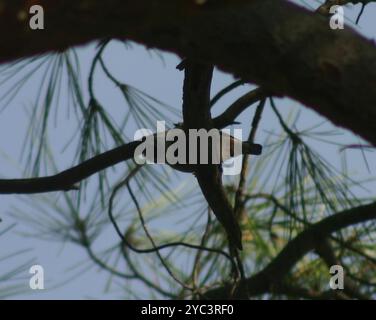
[[196, 114], [67, 179], [326, 252], [275, 44], [280, 266], [289, 290]]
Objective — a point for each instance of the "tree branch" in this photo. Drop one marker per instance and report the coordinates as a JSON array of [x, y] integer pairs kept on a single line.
[[276, 44], [66, 180], [196, 113], [225, 90], [306, 241], [325, 250], [233, 111]]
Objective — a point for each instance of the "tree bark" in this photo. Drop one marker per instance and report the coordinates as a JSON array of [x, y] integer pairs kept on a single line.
[[280, 46]]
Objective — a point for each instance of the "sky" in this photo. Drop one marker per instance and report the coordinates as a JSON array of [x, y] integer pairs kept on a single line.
[[159, 78]]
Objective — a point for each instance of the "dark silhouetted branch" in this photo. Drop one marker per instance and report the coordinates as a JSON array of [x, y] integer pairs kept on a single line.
[[306, 241], [275, 44], [68, 179], [234, 110], [196, 113]]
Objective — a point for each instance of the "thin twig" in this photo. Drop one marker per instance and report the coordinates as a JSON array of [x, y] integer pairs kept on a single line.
[[226, 90], [162, 260], [164, 246], [238, 207], [236, 108]]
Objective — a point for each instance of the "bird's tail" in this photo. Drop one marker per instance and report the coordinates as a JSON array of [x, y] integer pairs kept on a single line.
[[251, 148]]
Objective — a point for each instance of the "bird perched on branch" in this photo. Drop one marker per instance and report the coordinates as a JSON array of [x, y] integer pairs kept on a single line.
[[208, 149], [185, 150]]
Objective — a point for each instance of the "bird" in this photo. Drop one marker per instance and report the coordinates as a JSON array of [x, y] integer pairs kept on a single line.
[[219, 148]]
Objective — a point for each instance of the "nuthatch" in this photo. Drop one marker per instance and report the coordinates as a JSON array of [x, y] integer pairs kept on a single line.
[[164, 147]]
